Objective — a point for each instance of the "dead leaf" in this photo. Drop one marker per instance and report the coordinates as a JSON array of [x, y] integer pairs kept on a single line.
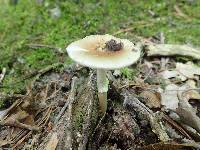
[[188, 70], [191, 94], [152, 100], [182, 71], [186, 112], [52, 144], [169, 74], [169, 97]]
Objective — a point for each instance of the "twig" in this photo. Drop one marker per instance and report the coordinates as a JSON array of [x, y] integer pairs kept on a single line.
[[35, 46], [132, 28], [16, 123], [70, 98], [2, 75], [149, 73], [177, 126], [21, 138], [162, 38], [180, 13]]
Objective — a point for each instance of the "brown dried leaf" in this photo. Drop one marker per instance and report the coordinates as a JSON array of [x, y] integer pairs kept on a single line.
[[152, 99]]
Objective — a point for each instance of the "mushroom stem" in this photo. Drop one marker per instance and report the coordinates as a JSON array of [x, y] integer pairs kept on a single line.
[[102, 85]]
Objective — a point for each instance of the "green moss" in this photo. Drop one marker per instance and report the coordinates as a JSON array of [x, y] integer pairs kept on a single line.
[[1, 103], [68, 61], [43, 56], [128, 72], [28, 22]]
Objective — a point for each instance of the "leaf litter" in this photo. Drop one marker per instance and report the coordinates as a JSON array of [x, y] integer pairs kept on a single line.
[[157, 109]]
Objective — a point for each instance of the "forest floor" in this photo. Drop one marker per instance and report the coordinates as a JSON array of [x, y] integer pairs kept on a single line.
[[154, 103]]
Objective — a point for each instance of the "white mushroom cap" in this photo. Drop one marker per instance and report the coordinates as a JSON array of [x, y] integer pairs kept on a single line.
[[91, 51]]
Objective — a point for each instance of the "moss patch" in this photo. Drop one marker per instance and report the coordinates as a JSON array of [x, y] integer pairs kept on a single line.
[[128, 72]]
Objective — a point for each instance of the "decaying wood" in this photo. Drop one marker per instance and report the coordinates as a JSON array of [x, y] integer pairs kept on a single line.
[[64, 123], [173, 50], [133, 104], [65, 141], [69, 100], [87, 124]]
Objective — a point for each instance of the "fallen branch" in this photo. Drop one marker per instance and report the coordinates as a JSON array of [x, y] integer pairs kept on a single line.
[[132, 103], [173, 50]]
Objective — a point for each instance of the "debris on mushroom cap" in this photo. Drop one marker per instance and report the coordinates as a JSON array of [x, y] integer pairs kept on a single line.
[[103, 51], [112, 45]]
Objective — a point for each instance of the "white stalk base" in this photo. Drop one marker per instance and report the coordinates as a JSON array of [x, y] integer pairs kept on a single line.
[[102, 85]]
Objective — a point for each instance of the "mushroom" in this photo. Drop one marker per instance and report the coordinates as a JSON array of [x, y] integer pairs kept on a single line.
[[103, 52]]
